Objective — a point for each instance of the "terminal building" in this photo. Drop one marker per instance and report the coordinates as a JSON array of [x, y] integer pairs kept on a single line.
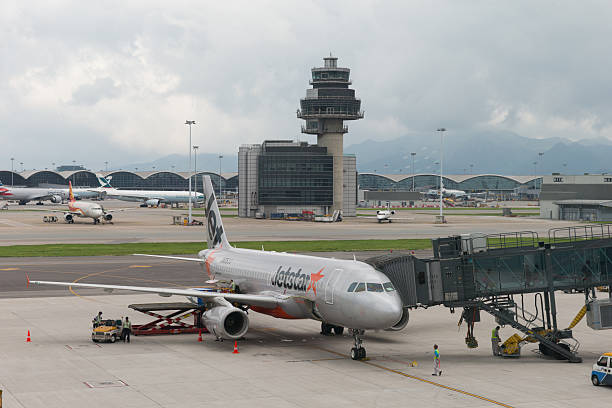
[[577, 198], [122, 179]]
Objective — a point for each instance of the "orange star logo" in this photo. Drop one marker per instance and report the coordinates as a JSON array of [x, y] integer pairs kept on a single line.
[[314, 278], [209, 260]]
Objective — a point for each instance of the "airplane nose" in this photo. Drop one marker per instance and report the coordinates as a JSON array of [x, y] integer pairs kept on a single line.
[[386, 313]]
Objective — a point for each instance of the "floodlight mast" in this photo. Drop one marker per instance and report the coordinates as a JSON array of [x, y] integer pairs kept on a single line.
[[189, 123]]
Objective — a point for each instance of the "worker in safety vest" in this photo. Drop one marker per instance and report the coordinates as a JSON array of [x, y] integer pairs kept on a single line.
[[495, 341], [127, 329], [97, 320], [232, 286], [437, 370]]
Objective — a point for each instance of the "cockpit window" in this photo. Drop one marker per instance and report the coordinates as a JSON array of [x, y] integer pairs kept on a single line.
[[352, 287], [360, 287], [375, 287], [388, 286]]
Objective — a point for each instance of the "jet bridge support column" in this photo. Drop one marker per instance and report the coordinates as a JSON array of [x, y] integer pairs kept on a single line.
[[551, 285]]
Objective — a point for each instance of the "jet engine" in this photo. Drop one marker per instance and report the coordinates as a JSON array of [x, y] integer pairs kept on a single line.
[[108, 217], [403, 321], [69, 218], [56, 199], [152, 202], [226, 322]]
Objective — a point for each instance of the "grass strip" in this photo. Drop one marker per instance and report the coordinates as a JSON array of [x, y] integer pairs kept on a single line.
[[184, 248]]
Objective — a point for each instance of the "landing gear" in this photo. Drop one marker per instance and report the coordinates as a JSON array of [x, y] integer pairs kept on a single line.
[[358, 352], [338, 330], [96, 221]]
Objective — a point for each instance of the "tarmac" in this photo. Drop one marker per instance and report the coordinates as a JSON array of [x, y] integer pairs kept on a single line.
[[282, 363], [24, 225]]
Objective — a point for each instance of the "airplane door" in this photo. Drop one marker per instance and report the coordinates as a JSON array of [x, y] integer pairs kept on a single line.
[[330, 285]]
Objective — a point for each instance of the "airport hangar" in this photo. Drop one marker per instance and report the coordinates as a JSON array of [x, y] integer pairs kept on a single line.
[[585, 197]]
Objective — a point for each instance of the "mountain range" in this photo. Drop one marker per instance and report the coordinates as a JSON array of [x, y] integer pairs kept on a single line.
[[465, 152], [478, 152]]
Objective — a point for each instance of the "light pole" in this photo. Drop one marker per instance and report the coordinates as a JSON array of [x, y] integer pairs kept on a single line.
[[195, 171], [441, 130], [106, 166], [471, 169], [189, 123], [21, 166], [220, 157], [12, 169], [413, 154], [540, 154]]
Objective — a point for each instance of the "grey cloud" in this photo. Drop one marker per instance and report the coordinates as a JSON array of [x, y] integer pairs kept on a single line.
[[92, 93]]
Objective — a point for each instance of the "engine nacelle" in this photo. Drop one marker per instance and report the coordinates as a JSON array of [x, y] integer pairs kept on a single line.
[[152, 202], [108, 217], [226, 322], [56, 199], [68, 217], [402, 322]]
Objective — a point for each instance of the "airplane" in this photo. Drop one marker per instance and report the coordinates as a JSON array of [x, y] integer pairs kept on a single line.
[[146, 197], [85, 209], [435, 193], [338, 293], [56, 195], [385, 215]]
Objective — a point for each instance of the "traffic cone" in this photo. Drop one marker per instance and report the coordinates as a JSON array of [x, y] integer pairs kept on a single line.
[[235, 347], [28, 340], [200, 336]]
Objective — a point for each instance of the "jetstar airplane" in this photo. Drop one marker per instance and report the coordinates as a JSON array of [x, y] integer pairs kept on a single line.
[[338, 293], [85, 209]]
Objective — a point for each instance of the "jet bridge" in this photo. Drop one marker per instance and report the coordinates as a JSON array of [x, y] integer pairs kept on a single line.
[[485, 272]]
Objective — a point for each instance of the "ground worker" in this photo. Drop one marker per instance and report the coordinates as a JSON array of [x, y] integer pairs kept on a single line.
[[495, 341], [233, 286], [127, 329], [97, 320], [437, 370]]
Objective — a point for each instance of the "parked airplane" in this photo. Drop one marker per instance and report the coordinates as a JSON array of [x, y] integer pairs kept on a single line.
[[147, 197], [56, 195], [338, 293], [385, 215], [435, 193], [25, 194], [85, 209]]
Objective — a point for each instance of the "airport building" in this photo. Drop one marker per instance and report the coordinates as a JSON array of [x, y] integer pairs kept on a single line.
[[122, 179], [499, 185], [283, 176], [577, 198], [287, 177]]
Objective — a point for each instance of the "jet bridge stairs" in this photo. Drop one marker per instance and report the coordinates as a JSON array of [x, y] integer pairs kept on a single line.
[[488, 272]]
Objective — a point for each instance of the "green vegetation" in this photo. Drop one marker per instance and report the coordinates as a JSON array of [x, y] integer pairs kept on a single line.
[[456, 208], [183, 248]]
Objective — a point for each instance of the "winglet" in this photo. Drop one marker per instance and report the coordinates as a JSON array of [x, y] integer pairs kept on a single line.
[[27, 281]]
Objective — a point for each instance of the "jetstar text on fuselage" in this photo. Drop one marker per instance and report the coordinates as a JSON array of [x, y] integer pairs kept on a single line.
[[296, 280]]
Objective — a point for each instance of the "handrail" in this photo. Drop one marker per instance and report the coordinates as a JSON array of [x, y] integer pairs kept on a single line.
[[579, 233]]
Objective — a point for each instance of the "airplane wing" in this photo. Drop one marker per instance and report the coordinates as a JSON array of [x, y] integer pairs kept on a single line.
[[174, 257], [245, 299]]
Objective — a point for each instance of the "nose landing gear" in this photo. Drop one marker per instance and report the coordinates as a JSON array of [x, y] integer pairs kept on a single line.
[[358, 352]]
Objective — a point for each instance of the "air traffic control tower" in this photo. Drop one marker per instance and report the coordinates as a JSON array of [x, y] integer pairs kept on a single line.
[[327, 105]]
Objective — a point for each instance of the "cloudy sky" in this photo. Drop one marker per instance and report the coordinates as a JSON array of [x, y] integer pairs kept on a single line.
[[116, 80]]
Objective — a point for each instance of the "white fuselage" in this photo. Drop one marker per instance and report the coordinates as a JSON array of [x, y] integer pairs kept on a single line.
[[317, 288], [86, 209], [169, 197]]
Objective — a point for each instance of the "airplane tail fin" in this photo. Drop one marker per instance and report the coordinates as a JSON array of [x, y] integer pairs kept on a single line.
[[70, 191], [215, 234], [105, 181]]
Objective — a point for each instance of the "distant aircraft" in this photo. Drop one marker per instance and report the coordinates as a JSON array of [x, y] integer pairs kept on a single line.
[[56, 195], [85, 209], [25, 194], [146, 197], [435, 193], [385, 215], [338, 293]]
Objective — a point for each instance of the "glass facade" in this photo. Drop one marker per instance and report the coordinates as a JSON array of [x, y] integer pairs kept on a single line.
[[295, 176], [44, 177], [83, 179], [368, 181], [5, 178]]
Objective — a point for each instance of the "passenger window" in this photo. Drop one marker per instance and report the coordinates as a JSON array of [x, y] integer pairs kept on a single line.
[[603, 362], [360, 287], [388, 286], [352, 287], [375, 287]]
